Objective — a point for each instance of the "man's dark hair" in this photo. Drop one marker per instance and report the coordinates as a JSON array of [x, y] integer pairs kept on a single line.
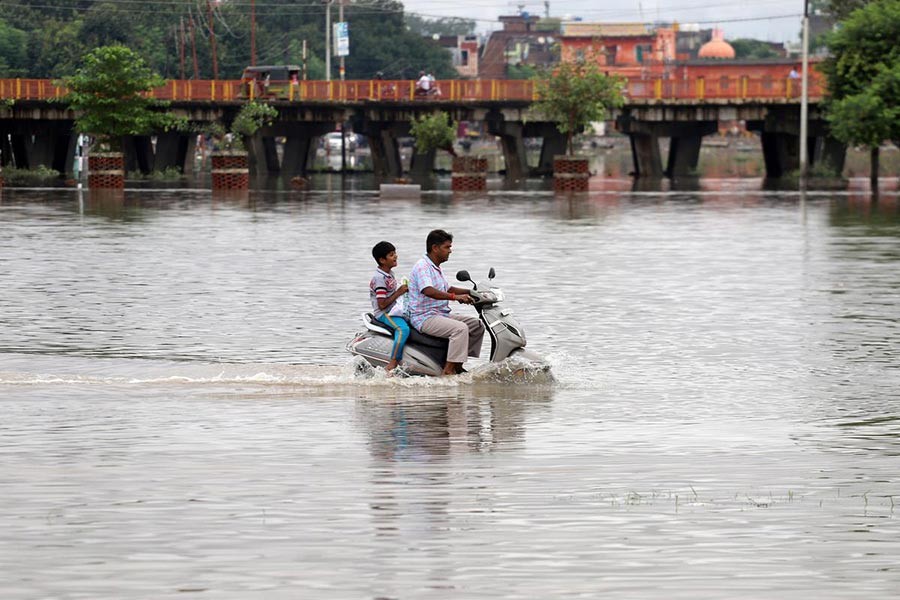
[[436, 238], [381, 250]]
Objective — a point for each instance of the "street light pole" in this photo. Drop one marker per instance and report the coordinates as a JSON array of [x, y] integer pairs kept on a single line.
[[327, 40], [341, 19], [804, 98]]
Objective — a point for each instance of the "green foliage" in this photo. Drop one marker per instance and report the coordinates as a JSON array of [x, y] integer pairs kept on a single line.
[[251, 117], [576, 94], [167, 174], [752, 49], [442, 26], [839, 9], [13, 51], [383, 43], [550, 25], [42, 174], [248, 121], [108, 94], [864, 75], [433, 132], [870, 116], [521, 71], [57, 32]]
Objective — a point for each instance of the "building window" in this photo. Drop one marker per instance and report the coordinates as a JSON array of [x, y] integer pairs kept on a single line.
[[643, 53], [579, 55], [611, 55], [464, 58], [723, 83]]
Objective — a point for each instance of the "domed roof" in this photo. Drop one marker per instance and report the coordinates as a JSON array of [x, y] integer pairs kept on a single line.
[[717, 47]]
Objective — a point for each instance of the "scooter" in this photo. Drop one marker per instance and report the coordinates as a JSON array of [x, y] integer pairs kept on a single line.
[[426, 355]]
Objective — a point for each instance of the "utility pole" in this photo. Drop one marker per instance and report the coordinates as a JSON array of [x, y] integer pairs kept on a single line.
[[194, 49], [804, 98], [212, 40], [341, 19], [181, 46], [327, 40], [252, 33], [304, 61]]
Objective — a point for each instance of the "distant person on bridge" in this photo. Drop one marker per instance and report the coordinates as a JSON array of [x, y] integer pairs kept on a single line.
[[793, 77], [435, 90], [423, 85]]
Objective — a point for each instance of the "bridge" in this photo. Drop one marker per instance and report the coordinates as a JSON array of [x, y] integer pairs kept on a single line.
[[36, 126]]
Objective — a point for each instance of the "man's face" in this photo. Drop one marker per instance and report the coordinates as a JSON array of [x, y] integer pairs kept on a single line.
[[442, 252]]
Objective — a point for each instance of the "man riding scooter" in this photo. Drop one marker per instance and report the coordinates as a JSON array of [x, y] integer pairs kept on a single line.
[[429, 300]]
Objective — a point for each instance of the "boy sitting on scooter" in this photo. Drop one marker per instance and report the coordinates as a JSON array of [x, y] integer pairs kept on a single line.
[[384, 294]]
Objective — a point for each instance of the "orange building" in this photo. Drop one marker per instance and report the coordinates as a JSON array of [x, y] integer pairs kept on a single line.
[[645, 54], [633, 50]]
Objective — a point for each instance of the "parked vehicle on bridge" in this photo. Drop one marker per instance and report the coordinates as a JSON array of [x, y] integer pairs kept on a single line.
[[332, 142], [270, 81]]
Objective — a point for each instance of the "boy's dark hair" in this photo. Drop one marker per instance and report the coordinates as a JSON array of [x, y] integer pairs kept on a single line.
[[437, 237], [381, 250]]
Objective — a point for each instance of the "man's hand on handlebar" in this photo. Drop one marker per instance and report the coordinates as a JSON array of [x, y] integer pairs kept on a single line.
[[464, 299]]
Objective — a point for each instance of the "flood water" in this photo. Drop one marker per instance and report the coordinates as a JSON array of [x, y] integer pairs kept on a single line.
[[180, 417]]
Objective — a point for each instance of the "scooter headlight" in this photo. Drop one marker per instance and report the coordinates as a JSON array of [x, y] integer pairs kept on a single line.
[[498, 294]]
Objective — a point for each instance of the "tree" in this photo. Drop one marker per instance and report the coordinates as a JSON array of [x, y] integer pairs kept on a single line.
[[577, 94], [13, 51], [521, 71], [442, 26], [434, 132], [839, 9], [249, 119], [749, 48], [864, 78], [108, 94]]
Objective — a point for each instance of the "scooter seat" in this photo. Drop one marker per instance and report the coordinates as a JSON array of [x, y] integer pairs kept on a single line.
[[423, 339], [415, 336]]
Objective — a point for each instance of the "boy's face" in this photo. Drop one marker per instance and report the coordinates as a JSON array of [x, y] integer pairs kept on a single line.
[[388, 262]]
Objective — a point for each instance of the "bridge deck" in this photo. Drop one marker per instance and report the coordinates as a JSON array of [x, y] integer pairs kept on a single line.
[[727, 89]]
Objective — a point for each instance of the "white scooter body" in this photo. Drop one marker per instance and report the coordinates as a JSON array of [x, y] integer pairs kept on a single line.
[[426, 355]]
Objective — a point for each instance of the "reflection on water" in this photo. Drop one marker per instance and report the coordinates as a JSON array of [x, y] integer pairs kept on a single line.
[[484, 419], [180, 415]]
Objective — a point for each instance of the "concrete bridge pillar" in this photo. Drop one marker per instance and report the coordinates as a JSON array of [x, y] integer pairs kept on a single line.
[[780, 137], [684, 147], [553, 143], [781, 153], [175, 150], [512, 143], [20, 151], [385, 150], [33, 144], [644, 138], [138, 150], [422, 164], [6, 153], [300, 145], [645, 154], [262, 154], [29, 145], [41, 145], [829, 152]]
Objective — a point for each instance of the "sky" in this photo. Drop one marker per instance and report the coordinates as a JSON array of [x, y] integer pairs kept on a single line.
[[770, 20]]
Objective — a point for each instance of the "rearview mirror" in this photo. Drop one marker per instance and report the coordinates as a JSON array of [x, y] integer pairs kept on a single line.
[[491, 273], [463, 276]]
